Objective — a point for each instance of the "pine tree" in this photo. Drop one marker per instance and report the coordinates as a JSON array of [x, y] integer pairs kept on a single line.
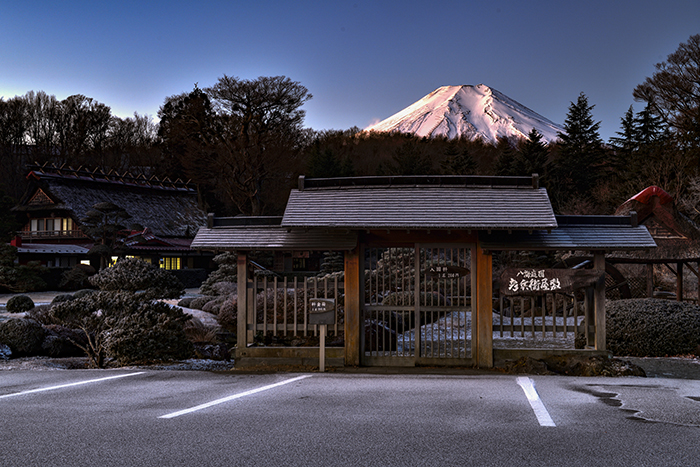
[[533, 157], [458, 162], [578, 166]]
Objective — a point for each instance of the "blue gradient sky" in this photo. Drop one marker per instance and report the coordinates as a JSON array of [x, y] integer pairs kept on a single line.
[[363, 60]]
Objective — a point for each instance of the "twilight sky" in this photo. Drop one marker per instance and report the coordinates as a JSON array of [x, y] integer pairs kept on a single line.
[[363, 60]]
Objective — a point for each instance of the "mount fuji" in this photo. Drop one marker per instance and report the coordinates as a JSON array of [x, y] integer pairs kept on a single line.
[[470, 111]]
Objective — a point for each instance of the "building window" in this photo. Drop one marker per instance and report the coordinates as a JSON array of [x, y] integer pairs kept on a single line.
[[170, 263]]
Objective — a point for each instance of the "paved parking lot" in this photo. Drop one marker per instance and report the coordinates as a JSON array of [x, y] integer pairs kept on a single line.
[[119, 417]]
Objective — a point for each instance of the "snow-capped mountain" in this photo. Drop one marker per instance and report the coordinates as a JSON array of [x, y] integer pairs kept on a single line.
[[473, 111]]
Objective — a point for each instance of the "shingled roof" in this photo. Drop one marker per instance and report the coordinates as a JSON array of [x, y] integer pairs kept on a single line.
[[169, 209], [420, 202], [260, 233], [577, 233]]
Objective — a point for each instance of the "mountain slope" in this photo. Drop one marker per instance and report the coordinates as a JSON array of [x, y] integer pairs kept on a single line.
[[470, 111]]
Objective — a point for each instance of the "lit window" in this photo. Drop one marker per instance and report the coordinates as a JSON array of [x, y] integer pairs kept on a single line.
[[170, 263]]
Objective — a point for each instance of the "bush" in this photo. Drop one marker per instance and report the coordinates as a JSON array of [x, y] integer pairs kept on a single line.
[[61, 342], [23, 336], [185, 302], [19, 304], [41, 314], [199, 302], [83, 292], [155, 333], [228, 314], [76, 277], [124, 321], [227, 271], [66, 297], [135, 275], [652, 327], [213, 306]]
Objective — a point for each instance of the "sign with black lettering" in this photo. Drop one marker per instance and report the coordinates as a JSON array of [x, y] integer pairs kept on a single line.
[[446, 272], [535, 281], [321, 311]]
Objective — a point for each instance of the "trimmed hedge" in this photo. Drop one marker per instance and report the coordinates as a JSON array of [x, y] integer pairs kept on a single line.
[[652, 327]]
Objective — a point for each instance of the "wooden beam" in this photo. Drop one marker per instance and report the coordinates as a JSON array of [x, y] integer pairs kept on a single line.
[[353, 308], [650, 280], [679, 281], [484, 309]]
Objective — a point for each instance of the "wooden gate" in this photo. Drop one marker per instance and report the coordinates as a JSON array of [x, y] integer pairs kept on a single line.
[[417, 305]]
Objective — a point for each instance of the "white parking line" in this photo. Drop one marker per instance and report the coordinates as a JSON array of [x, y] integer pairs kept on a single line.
[[61, 386], [230, 398], [535, 402]]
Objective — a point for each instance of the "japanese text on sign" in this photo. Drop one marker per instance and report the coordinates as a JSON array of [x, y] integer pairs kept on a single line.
[[533, 280]]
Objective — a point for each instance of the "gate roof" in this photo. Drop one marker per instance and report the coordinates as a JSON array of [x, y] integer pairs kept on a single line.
[[577, 233], [421, 202]]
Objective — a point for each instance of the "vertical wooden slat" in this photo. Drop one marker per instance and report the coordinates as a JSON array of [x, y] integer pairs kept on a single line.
[[484, 319], [241, 334], [352, 307], [274, 306], [265, 293], [295, 310], [306, 308], [599, 266]]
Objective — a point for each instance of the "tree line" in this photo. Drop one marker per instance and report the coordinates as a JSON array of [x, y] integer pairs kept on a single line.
[[242, 143]]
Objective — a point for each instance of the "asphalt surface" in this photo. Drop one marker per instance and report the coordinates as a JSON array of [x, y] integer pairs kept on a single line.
[[195, 418]]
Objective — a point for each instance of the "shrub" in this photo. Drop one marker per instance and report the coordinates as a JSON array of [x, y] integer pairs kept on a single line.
[[228, 314], [199, 302], [196, 331], [41, 314], [124, 321], [62, 298], [652, 327], [154, 333], [135, 275], [23, 336], [83, 292], [227, 271], [76, 277], [61, 341], [19, 304], [213, 306], [185, 302]]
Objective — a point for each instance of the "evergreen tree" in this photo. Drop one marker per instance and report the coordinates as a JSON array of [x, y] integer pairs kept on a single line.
[[533, 157], [580, 156], [323, 163], [458, 162]]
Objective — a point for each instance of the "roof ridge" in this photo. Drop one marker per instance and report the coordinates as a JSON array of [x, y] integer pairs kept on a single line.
[[383, 181]]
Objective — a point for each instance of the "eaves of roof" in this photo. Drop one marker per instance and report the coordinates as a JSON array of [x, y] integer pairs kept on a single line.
[[272, 238]]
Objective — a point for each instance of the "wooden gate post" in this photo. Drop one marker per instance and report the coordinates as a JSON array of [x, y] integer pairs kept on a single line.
[[352, 307], [241, 332], [484, 309], [599, 266]]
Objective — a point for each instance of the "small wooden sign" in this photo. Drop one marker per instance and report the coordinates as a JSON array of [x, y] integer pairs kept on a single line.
[[321, 311], [535, 281], [446, 272]]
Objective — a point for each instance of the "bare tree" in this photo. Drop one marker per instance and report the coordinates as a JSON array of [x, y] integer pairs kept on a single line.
[[258, 129], [673, 92]]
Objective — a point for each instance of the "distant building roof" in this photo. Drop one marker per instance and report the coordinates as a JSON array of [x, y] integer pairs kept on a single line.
[[169, 209], [46, 248], [420, 202]]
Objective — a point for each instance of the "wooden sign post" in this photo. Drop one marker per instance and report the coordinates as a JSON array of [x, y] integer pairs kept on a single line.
[[322, 313]]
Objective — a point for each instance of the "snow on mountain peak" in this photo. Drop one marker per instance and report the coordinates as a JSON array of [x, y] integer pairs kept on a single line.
[[471, 111]]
